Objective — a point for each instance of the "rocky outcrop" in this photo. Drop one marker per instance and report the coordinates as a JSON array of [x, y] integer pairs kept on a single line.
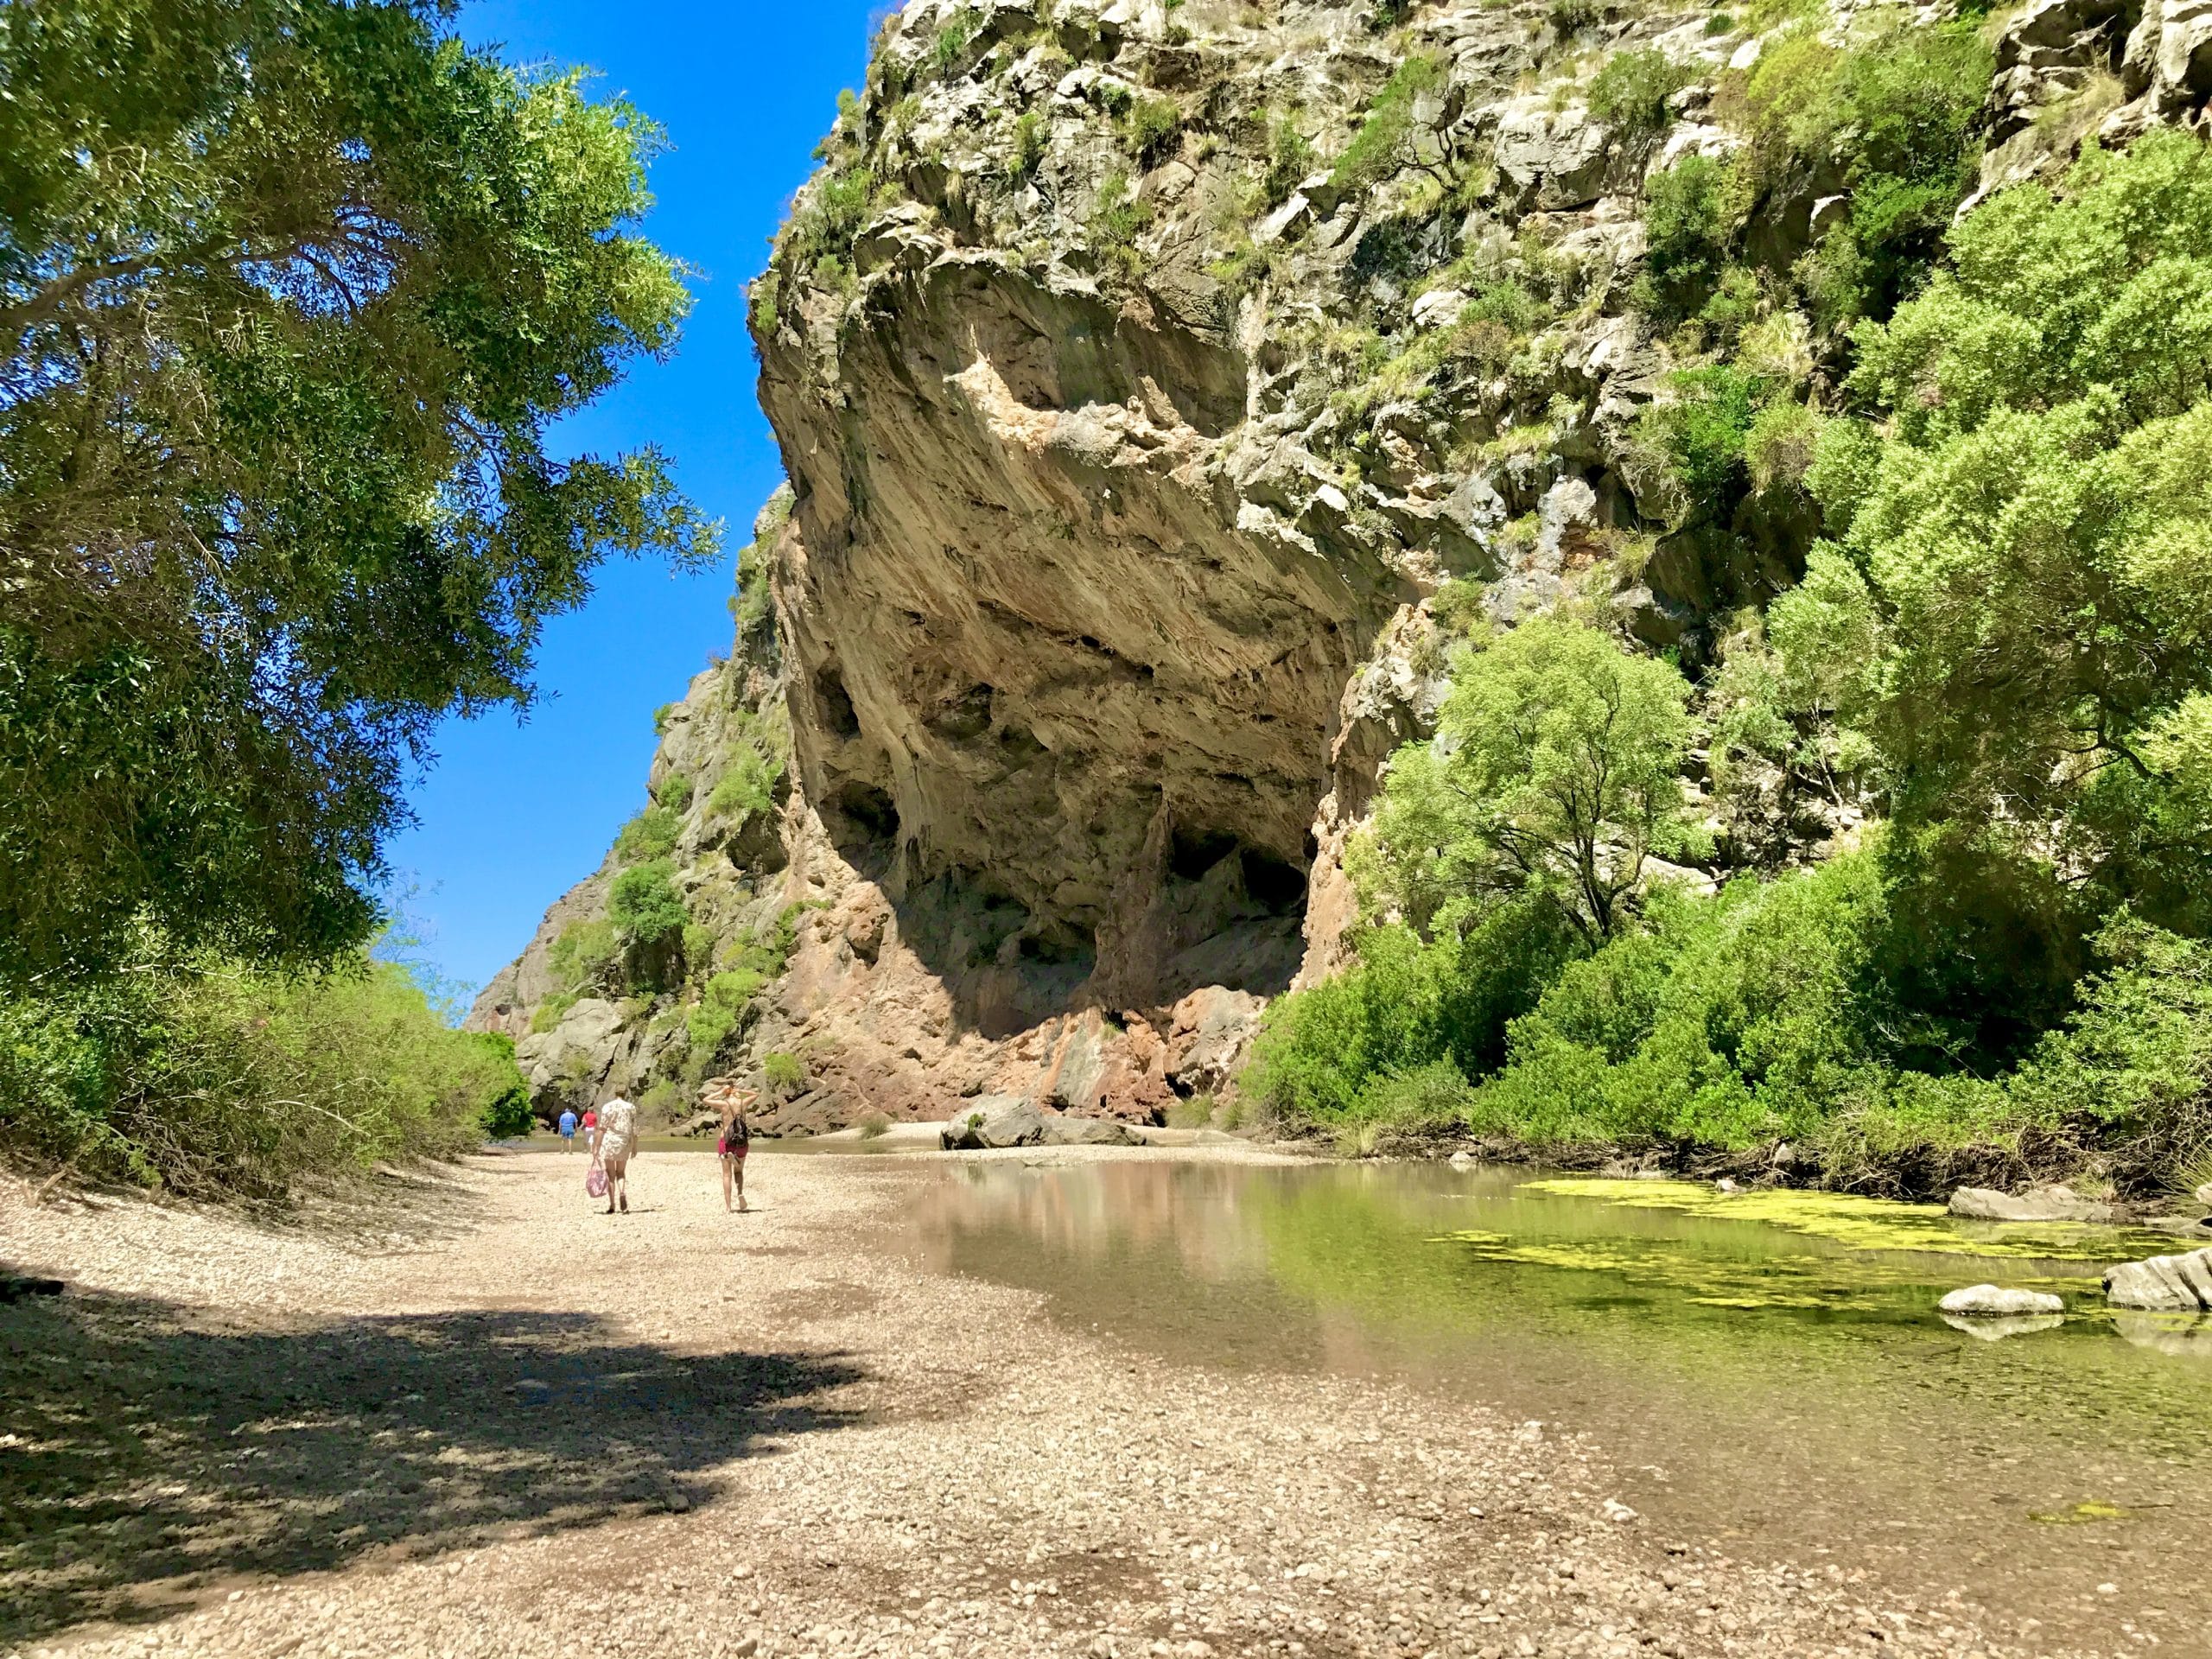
[[2162, 1284], [1164, 393]]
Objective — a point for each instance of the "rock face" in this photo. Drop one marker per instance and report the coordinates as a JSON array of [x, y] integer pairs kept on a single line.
[[1992, 1302], [2162, 1284], [1149, 449]]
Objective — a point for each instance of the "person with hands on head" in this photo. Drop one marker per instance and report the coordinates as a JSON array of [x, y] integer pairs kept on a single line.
[[732, 1103], [617, 1140]]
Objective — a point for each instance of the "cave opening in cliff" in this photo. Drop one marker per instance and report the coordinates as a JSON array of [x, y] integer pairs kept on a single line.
[[870, 811], [1277, 886], [1192, 855], [835, 704]]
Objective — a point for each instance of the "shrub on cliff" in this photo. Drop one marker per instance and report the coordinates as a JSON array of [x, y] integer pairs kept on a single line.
[[1631, 93], [1387, 139], [1888, 116]]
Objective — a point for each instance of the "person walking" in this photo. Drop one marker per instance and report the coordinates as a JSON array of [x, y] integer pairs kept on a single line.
[[617, 1140], [567, 1129], [591, 1128], [736, 1139]]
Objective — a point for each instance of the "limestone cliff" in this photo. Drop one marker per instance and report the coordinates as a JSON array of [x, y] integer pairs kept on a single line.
[[1160, 383]]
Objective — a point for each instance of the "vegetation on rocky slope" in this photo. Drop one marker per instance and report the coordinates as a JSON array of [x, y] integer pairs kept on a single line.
[[2000, 659]]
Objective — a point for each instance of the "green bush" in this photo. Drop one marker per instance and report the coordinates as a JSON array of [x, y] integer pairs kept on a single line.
[[675, 794], [1290, 159], [652, 834], [1030, 137], [1117, 218], [1734, 1021], [1384, 143], [747, 789], [582, 955], [1893, 111], [1150, 129], [1702, 433], [644, 906], [720, 1010], [783, 1072], [211, 1080], [1631, 93], [1323, 1052]]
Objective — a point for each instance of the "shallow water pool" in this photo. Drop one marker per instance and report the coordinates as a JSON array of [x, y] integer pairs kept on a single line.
[[1769, 1375]]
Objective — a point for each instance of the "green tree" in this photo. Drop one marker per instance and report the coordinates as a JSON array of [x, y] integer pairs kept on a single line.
[[292, 291], [1556, 770], [2025, 529]]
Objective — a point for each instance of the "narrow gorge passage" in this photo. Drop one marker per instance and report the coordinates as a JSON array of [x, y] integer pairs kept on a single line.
[[526, 1428]]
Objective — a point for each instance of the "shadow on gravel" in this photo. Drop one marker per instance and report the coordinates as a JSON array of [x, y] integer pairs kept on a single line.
[[142, 1458]]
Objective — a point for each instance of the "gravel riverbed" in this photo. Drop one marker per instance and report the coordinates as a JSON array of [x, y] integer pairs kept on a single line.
[[493, 1421]]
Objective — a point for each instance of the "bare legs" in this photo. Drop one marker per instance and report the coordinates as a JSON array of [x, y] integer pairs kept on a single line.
[[732, 1182]]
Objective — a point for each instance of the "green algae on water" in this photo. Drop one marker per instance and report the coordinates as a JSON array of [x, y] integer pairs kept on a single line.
[[1863, 1223], [2081, 1515], [1800, 1280]]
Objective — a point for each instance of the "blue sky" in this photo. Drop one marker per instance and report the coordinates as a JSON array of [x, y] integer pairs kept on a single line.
[[513, 814]]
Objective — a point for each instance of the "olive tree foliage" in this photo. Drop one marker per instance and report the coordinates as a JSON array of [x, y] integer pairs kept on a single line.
[[2026, 530], [291, 291], [1556, 773]]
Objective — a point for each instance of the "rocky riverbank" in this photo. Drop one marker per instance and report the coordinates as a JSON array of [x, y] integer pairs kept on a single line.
[[514, 1427]]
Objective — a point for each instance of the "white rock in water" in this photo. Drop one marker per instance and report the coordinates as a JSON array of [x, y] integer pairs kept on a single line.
[[1991, 1302], [1463, 1161], [2164, 1283]]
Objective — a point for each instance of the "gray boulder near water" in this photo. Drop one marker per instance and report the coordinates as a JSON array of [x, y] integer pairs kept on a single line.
[[2180, 1284], [1090, 1132], [2036, 1203], [1994, 1302], [995, 1121]]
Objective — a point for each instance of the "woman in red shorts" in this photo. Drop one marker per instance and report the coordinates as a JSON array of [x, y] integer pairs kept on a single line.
[[736, 1141]]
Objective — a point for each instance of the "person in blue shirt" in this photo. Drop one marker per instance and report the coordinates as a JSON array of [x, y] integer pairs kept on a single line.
[[568, 1130]]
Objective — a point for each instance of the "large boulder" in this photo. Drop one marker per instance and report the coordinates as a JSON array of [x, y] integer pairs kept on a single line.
[[992, 1121], [2173, 1284], [2038, 1204], [1090, 1132]]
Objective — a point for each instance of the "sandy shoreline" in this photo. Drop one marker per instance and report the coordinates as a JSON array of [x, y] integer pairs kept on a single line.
[[540, 1431]]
